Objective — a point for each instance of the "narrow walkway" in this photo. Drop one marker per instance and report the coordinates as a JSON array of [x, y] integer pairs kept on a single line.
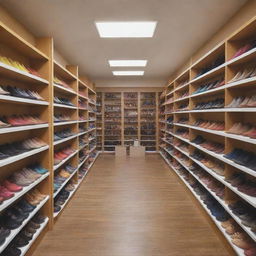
[[131, 207]]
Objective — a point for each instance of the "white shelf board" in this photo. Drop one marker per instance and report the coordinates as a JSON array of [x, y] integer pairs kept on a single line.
[[16, 158], [13, 99], [57, 105], [22, 128], [64, 140], [14, 232], [64, 123]]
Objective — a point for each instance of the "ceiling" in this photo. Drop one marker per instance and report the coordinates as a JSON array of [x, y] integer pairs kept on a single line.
[[183, 26]]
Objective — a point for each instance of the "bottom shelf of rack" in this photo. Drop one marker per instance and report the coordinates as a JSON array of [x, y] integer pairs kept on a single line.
[[36, 235], [239, 251]]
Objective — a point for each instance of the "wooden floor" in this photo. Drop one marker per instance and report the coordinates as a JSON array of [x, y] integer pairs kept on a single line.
[[132, 207]]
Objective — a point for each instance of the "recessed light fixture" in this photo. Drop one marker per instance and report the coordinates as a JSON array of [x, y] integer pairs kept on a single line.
[[126, 29], [128, 73], [127, 63]]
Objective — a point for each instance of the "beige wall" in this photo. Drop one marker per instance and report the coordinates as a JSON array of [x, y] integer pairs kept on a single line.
[[247, 12]]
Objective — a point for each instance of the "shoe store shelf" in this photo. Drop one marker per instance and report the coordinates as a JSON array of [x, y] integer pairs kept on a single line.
[[239, 251], [91, 139], [63, 89], [19, 194], [64, 140], [219, 156], [56, 105], [22, 128], [91, 130], [210, 73], [12, 99], [91, 164], [22, 76], [64, 183], [85, 109], [92, 120], [24, 249], [82, 96], [217, 110], [82, 121], [92, 149], [63, 72], [63, 206], [243, 57], [16, 158], [64, 123], [79, 166], [219, 89], [82, 133], [251, 200], [85, 145], [15, 232], [225, 206], [181, 99], [64, 161], [220, 133]]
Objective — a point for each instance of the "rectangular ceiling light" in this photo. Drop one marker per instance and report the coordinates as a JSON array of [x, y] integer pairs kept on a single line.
[[128, 73], [127, 63], [126, 29]]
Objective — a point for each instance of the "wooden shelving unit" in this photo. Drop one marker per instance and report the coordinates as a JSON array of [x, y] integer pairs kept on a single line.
[[128, 116], [186, 114], [64, 94], [99, 122]]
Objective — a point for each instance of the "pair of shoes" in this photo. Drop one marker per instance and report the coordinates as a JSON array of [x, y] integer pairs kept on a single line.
[[209, 86], [247, 72], [63, 101], [184, 133], [217, 103], [242, 157], [245, 48], [183, 107], [209, 145], [83, 104], [63, 134], [19, 120], [243, 102], [22, 93], [217, 62], [61, 118], [243, 129], [60, 155], [212, 125], [60, 82]]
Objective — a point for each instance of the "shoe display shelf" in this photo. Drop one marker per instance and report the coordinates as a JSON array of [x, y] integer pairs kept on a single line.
[[25, 73], [238, 251], [99, 122], [25, 249], [128, 115], [112, 106], [64, 183], [131, 125], [208, 100], [15, 232], [148, 121]]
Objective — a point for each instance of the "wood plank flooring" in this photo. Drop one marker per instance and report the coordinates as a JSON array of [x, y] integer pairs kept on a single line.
[[132, 207]]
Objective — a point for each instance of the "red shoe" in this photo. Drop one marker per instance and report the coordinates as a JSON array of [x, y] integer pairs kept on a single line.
[[12, 186], [5, 193]]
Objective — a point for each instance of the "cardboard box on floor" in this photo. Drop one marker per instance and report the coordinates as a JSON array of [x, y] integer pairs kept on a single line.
[[137, 151], [120, 151]]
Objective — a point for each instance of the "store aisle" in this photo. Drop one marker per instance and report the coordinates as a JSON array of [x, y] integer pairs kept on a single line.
[[131, 207]]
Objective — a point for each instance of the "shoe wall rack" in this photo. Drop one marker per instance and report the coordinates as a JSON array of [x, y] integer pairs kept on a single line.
[[207, 128], [127, 116], [47, 137]]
